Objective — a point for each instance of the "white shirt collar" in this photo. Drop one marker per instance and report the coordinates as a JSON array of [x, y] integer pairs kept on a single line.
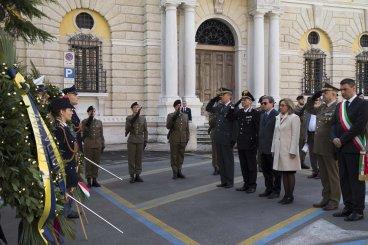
[[228, 103], [352, 98]]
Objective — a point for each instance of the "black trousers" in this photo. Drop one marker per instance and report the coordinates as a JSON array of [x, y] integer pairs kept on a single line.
[[272, 177], [312, 155], [353, 190], [225, 157], [248, 165]]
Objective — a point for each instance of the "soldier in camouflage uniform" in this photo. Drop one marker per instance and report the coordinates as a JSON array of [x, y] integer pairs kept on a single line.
[[94, 144], [178, 136], [324, 148], [136, 127]]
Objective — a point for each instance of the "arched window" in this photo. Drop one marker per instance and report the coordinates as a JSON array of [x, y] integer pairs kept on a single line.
[[89, 73], [214, 32], [314, 71]]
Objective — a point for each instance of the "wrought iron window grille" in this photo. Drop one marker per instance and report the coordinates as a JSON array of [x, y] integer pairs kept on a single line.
[[361, 67], [314, 71], [214, 32], [89, 73]]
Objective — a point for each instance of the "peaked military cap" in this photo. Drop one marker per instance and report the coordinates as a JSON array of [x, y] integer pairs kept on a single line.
[[223, 91], [177, 102], [60, 104], [71, 90], [134, 104], [247, 94], [329, 87]]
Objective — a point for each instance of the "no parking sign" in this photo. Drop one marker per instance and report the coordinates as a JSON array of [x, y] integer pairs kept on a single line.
[[69, 71]]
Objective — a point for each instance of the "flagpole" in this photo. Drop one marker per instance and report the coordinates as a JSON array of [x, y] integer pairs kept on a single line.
[[99, 216], [89, 160]]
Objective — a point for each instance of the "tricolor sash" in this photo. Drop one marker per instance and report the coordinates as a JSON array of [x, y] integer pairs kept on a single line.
[[360, 142], [48, 156]]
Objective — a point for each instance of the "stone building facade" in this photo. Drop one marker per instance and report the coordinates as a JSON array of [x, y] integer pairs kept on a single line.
[[155, 52]]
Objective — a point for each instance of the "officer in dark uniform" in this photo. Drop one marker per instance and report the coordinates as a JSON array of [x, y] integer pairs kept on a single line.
[[72, 94], [247, 141], [61, 109], [225, 135]]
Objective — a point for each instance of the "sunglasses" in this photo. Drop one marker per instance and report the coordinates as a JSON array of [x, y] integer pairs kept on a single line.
[[282, 105], [264, 103]]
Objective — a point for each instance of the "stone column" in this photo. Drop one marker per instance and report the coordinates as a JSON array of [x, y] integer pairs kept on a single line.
[[274, 56], [190, 65], [171, 52], [189, 52], [258, 55]]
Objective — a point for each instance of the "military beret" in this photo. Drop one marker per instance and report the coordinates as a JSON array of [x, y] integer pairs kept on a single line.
[[247, 94], [60, 104], [300, 97], [329, 87], [90, 108], [177, 102], [71, 90], [134, 104]]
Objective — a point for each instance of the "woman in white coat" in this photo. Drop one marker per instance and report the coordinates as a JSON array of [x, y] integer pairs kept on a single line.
[[285, 147]]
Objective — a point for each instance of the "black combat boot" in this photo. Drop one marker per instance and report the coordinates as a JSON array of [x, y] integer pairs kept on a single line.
[[175, 174], [89, 182], [132, 179], [181, 175], [138, 178], [95, 183]]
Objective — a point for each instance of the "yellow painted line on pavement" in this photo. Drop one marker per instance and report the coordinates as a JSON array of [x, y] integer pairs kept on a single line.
[[273, 229], [180, 236]]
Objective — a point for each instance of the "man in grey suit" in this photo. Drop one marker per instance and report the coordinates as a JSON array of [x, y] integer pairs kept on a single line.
[[225, 135], [266, 128]]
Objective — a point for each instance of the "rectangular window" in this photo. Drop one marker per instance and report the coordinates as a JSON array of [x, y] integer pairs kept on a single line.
[[89, 73], [362, 73], [314, 71]]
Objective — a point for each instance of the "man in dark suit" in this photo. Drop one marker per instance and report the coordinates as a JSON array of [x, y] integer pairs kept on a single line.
[[224, 135], [348, 129], [247, 139], [266, 129], [187, 110]]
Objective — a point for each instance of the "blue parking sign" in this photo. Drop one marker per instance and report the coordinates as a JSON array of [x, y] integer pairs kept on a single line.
[[69, 73]]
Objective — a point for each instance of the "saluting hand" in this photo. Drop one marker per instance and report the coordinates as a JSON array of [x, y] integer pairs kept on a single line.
[[337, 142]]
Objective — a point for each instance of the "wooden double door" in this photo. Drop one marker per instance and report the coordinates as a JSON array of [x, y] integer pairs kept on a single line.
[[215, 69]]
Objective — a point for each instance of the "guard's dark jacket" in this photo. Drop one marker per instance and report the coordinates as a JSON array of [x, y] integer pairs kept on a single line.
[[247, 129], [68, 147], [225, 127], [77, 126], [358, 115]]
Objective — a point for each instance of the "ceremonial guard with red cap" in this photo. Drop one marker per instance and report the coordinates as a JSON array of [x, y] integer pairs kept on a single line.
[[247, 141], [136, 127], [178, 136], [61, 110], [225, 135]]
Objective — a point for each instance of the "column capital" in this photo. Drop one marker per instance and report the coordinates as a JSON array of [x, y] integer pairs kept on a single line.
[[169, 4], [189, 6], [257, 13], [275, 13]]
